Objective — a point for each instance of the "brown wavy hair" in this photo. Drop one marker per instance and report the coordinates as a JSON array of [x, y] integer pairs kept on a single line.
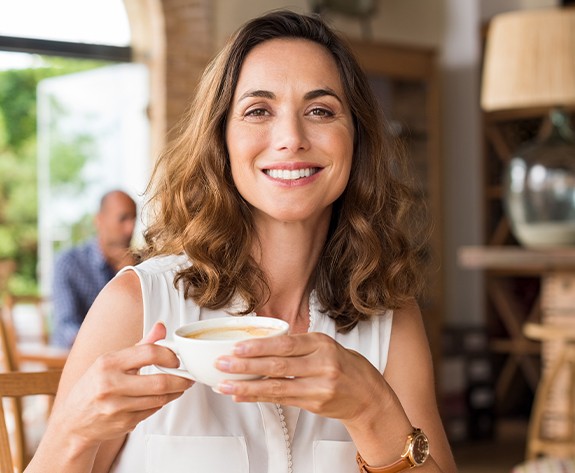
[[371, 257]]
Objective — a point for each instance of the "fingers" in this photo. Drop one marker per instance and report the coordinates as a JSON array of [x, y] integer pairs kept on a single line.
[[122, 405], [273, 367], [115, 401], [158, 332], [109, 382], [106, 420], [273, 390], [300, 370], [310, 371], [307, 393], [111, 398], [116, 373], [131, 359], [284, 345], [296, 356]]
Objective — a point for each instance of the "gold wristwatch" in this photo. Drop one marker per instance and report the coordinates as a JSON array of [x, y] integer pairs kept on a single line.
[[415, 453]]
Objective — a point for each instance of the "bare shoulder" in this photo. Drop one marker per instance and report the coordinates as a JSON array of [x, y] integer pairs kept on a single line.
[[113, 322], [118, 307], [124, 289], [408, 332], [407, 315], [409, 365]]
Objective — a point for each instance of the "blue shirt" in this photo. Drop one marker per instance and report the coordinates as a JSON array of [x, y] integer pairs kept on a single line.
[[80, 273]]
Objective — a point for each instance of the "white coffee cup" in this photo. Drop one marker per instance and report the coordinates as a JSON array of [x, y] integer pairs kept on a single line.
[[198, 345]]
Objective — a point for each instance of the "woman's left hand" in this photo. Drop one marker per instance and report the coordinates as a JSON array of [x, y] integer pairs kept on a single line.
[[311, 371]]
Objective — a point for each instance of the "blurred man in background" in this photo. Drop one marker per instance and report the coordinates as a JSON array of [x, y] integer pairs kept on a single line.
[[80, 273]]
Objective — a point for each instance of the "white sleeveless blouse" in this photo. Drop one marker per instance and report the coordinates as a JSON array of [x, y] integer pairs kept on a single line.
[[206, 432]]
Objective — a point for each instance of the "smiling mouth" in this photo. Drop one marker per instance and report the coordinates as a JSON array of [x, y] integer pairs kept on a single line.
[[291, 175]]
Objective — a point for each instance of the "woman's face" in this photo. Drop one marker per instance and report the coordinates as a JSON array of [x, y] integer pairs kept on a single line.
[[290, 132]]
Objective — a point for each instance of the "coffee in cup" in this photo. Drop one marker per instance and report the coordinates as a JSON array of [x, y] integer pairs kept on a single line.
[[201, 343], [240, 332]]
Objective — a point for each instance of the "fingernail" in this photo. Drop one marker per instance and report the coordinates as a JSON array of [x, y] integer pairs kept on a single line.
[[225, 387], [240, 349], [223, 364]]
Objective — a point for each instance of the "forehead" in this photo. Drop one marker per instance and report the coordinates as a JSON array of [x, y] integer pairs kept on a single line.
[[118, 204], [283, 59]]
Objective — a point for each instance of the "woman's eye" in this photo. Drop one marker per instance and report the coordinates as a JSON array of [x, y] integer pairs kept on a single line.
[[256, 112], [321, 112]]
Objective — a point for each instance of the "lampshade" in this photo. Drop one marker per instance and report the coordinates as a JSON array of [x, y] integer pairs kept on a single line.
[[529, 60]]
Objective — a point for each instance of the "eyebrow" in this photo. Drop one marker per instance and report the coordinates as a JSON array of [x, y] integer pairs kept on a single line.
[[257, 93], [312, 94]]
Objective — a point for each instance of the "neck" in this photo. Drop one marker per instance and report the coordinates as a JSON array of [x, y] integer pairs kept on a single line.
[[117, 256], [289, 254]]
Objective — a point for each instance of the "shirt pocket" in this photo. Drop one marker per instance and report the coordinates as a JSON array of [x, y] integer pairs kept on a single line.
[[183, 454], [334, 456]]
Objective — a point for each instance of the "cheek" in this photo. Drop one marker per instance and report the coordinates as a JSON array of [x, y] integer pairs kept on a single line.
[[240, 163], [345, 155], [241, 146], [235, 151], [244, 146], [340, 147]]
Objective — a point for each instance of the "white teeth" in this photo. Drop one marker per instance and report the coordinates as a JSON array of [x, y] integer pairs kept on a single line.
[[288, 175]]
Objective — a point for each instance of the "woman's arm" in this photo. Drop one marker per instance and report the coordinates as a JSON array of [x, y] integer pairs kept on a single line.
[[410, 400], [101, 396], [410, 374]]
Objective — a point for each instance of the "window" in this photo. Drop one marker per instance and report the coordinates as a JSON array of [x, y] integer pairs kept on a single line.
[[92, 126]]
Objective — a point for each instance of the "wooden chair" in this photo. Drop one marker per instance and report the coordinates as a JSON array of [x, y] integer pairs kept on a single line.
[[16, 385], [31, 347], [8, 360], [14, 357], [38, 314], [554, 403]]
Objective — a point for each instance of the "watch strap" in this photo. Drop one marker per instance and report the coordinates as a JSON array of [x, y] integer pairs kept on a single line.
[[400, 465], [406, 461]]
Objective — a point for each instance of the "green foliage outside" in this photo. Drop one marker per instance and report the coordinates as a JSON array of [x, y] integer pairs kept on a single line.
[[18, 159]]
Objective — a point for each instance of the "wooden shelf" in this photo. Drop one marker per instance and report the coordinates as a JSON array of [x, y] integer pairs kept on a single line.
[[517, 260], [555, 306], [513, 275], [501, 265]]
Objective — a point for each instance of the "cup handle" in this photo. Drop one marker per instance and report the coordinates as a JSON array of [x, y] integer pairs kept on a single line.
[[175, 371]]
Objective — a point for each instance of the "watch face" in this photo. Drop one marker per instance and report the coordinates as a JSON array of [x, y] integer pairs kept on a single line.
[[420, 449]]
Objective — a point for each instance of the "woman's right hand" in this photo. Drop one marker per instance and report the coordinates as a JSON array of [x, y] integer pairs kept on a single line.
[[111, 397], [102, 396], [103, 404]]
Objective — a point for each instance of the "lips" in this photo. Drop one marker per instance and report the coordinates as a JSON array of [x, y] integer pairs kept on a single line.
[[291, 174]]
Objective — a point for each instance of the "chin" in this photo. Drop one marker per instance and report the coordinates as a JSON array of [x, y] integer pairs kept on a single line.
[[292, 216]]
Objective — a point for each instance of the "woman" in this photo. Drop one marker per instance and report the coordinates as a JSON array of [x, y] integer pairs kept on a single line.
[[278, 198]]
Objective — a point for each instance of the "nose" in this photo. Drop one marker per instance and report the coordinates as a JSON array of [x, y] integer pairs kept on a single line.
[[290, 134]]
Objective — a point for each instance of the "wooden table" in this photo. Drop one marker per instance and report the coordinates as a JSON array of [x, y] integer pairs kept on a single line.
[[518, 260], [556, 304]]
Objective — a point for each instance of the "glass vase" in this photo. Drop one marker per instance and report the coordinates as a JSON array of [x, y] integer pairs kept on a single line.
[[540, 187]]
